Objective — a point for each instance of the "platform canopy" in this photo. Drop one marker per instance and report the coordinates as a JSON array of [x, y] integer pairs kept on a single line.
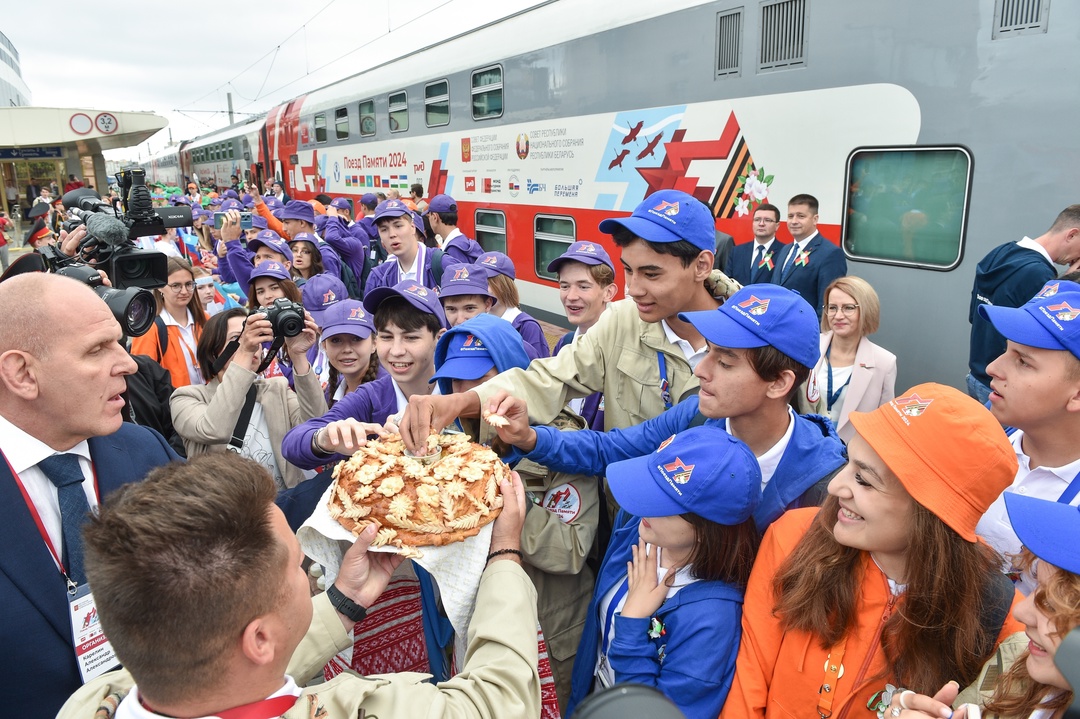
[[32, 133]]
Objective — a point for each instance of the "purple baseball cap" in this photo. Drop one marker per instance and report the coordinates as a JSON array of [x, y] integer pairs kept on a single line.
[[310, 239], [341, 203], [271, 239], [273, 203], [272, 269], [230, 204], [497, 262], [420, 297], [347, 317], [588, 253], [320, 222], [460, 280], [258, 222], [669, 216], [231, 194], [391, 208], [703, 470], [322, 292], [441, 203], [299, 210], [278, 213], [418, 223], [369, 199]]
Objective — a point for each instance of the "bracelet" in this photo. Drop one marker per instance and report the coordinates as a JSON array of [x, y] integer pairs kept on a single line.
[[316, 447], [343, 604], [499, 552]]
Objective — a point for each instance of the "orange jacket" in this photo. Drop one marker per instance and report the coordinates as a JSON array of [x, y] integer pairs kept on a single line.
[[172, 358], [272, 223], [778, 673]]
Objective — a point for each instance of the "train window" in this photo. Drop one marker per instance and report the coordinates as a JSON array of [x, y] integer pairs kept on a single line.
[[231, 151], [341, 123], [399, 111], [367, 118], [552, 236], [728, 42], [487, 93], [491, 230], [907, 205], [437, 103], [783, 34], [320, 127]]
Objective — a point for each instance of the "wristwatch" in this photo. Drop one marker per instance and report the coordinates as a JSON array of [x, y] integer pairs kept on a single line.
[[343, 604]]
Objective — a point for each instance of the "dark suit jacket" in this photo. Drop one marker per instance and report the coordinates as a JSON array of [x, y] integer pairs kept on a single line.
[[738, 265], [37, 666], [826, 262]]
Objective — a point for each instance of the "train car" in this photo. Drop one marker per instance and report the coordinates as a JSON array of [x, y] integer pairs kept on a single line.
[[163, 166], [216, 157], [930, 132]]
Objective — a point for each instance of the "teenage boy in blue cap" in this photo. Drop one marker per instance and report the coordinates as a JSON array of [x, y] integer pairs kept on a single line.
[[762, 344], [411, 260], [562, 519], [442, 215], [408, 322], [1035, 388], [464, 294], [586, 286], [640, 353]]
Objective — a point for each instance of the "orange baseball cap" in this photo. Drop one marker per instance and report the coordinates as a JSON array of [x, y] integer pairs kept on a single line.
[[948, 451]]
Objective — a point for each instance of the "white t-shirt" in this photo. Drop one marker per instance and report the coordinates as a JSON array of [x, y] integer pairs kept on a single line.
[[840, 377]]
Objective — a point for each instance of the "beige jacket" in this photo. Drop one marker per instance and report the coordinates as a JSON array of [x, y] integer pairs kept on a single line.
[[873, 383], [499, 678], [980, 691], [205, 415]]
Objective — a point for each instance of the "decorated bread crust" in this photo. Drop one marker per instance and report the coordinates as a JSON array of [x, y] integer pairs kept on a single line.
[[414, 503]]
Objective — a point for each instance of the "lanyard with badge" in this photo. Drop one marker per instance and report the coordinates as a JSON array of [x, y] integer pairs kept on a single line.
[[665, 386], [832, 397], [93, 652]]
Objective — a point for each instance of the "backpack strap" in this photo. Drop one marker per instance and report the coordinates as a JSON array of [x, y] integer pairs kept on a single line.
[[437, 265], [162, 337], [997, 602], [698, 420]]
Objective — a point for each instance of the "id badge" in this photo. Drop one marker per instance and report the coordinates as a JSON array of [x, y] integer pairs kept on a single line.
[[93, 651]]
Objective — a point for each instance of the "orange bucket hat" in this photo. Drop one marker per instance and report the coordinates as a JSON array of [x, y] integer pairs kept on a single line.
[[947, 450]]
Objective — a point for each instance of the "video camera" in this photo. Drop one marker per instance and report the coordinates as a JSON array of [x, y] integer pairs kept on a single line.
[[110, 246]]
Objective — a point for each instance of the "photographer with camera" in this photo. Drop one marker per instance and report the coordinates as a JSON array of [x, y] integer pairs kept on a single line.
[[239, 410], [173, 339]]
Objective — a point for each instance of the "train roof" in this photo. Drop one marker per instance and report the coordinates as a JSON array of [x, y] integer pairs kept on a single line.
[[250, 125]]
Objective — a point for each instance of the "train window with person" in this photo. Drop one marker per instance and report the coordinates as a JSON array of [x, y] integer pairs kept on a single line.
[[398, 109], [174, 337], [367, 118], [487, 93], [491, 230], [552, 236], [907, 206], [341, 123], [437, 103]]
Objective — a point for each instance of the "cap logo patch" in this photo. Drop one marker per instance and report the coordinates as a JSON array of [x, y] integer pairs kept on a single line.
[[668, 208], [329, 297], [493, 260], [357, 313], [418, 290], [472, 341], [913, 405], [1064, 311], [588, 249], [665, 443], [755, 306], [677, 471], [462, 274], [1049, 290]]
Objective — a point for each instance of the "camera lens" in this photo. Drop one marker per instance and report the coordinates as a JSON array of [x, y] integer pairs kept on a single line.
[[290, 323], [133, 309]]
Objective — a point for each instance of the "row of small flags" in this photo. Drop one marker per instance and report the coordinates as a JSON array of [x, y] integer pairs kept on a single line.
[[393, 182]]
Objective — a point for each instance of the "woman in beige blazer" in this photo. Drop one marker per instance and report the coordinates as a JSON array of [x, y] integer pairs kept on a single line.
[[206, 415], [853, 374]]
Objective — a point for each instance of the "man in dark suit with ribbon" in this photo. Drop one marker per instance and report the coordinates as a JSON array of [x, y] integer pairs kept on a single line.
[[64, 446], [811, 262], [754, 262]]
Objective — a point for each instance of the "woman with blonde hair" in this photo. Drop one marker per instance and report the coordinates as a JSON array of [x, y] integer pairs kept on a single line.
[[853, 374], [173, 339]]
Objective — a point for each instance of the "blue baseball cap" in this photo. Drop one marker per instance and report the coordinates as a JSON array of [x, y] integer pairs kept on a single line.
[[322, 292], [669, 216], [1050, 530], [497, 262], [230, 204], [460, 280], [467, 357], [588, 253], [391, 208], [347, 317], [1048, 321], [703, 470], [299, 210], [273, 240], [258, 222], [759, 316], [420, 297], [276, 270], [441, 203]]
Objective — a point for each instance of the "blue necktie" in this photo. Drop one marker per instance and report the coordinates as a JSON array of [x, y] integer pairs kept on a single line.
[[789, 265], [758, 270], [63, 470]]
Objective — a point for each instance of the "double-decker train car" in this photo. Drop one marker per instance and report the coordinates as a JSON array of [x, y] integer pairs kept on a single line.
[[215, 157], [930, 132]]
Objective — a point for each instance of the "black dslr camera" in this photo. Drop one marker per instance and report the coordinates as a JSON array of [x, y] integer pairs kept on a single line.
[[286, 317]]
